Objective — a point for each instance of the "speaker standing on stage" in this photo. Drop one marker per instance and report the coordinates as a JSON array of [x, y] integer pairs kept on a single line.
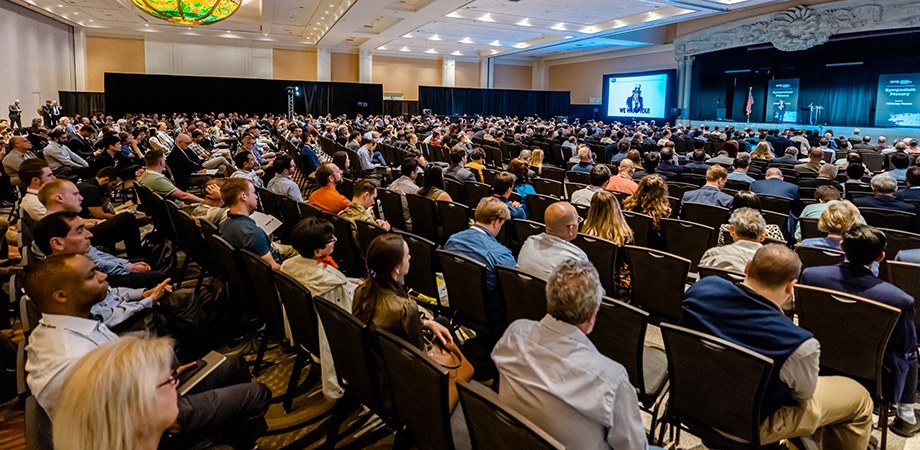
[[780, 111], [16, 114]]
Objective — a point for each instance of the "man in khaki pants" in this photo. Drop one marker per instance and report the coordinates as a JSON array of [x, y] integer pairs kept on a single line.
[[835, 412]]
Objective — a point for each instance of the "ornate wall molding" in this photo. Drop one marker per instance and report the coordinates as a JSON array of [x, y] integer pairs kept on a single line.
[[802, 27]]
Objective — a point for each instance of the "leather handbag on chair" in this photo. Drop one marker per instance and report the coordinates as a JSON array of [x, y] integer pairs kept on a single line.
[[450, 358]]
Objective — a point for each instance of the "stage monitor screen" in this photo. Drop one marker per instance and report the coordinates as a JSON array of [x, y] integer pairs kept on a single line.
[[783, 100], [638, 95], [897, 104]]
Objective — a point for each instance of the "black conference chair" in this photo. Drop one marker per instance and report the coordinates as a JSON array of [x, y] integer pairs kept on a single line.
[[37, 426], [268, 306], [476, 192], [456, 190], [493, 425], [578, 177], [809, 226], [422, 278], [308, 210], [301, 315], [897, 240], [290, 214], [709, 215], [776, 204], [888, 218], [906, 276], [466, 289], [268, 203], [687, 239], [413, 376], [658, 280], [522, 229], [640, 224], [454, 216], [391, 203], [538, 204], [718, 401], [545, 186], [814, 256], [424, 214], [730, 275], [367, 232], [525, 294], [553, 173], [603, 254], [355, 353], [854, 348], [346, 251]]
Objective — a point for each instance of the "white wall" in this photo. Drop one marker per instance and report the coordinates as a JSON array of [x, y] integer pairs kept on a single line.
[[245, 60], [38, 58]]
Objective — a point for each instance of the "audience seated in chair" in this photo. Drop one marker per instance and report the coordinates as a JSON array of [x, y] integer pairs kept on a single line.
[[748, 199], [282, 184], [457, 171], [773, 185], [585, 160], [900, 161], [19, 149], [405, 184], [62, 160], [600, 177], [212, 207], [246, 163], [826, 175], [478, 242], [605, 220], [622, 149], [697, 161], [623, 181], [502, 185], [797, 403], [740, 171], [159, 184], [789, 158], [836, 218], [225, 407], [541, 253], [550, 372], [361, 207], [748, 230], [912, 180], [711, 193], [883, 195], [241, 231], [651, 199], [476, 165], [33, 174], [864, 246], [815, 161], [327, 198]]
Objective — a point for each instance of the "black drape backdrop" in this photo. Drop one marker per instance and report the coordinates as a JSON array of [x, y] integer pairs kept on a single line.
[[497, 102], [133, 93], [82, 103], [847, 92]]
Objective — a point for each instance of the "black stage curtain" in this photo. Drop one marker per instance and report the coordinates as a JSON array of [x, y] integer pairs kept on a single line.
[[495, 102], [133, 93], [82, 103], [400, 107], [846, 89]]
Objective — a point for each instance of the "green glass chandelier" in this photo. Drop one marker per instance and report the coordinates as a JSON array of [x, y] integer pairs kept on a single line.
[[189, 12]]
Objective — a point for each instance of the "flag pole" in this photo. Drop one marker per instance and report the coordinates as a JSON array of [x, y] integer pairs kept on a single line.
[[748, 108]]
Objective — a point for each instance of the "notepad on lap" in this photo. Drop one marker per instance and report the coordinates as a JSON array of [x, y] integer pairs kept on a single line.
[[205, 366]]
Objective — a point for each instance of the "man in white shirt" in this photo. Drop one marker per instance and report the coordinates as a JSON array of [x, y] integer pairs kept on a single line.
[[226, 406], [282, 184], [600, 176], [246, 163], [405, 184], [62, 160], [550, 371], [34, 173], [541, 253], [748, 229]]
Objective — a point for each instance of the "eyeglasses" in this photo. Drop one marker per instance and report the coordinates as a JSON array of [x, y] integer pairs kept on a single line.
[[173, 379]]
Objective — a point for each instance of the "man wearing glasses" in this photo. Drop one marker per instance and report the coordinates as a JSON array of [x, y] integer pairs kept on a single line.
[[541, 253]]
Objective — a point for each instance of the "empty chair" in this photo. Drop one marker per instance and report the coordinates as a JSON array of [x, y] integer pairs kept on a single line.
[[466, 289], [545, 186], [268, 202], [261, 277], [413, 376], [553, 173], [897, 240], [603, 254], [814, 256], [454, 216], [719, 401], [658, 280], [456, 190], [308, 210], [854, 348], [677, 189], [525, 294], [906, 276], [391, 203], [687, 239], [578, 177], [301, 315], [492, 425], [776, 204], [290, 213], [424, 213], [538, 204]]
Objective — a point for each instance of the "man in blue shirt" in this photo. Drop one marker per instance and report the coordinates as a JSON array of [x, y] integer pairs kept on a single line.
[[774, 186], [740, 171], [900, 161], [622, 148], [863, 246], [478, 243], [697, 160], [239, 229], [585, 164], [308, 152], [711, 193], [912, 179], [502, 186]]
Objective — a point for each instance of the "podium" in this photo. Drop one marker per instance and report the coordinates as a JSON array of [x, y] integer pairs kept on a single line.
[[720, 113], [814, 114]]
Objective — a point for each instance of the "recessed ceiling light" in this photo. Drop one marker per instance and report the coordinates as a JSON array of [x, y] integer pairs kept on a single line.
[[60, 6], [146, 24], [430, 50], [524, 23], [435, 38], [487, 18], [228, 31], [404, 49], [90, 20], [457, 53], [321, 18], [381, 48], [466, 40], [265, 33], [327, 12], [495, 43], [76, 13]]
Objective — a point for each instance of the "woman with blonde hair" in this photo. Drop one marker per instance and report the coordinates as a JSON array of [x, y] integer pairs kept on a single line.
[[762, 151], [835, 220], [651, 199], [120, 396], [605, 220], [536, 161]]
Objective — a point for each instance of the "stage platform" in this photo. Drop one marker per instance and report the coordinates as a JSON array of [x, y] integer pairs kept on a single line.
[[846, 130]]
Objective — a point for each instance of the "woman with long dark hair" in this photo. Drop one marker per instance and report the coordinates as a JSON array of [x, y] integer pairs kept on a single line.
[[434, 184]]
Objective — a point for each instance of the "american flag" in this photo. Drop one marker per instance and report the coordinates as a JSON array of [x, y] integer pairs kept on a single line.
[[750, 103]]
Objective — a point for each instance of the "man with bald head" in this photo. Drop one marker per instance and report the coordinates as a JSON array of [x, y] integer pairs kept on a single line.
[[773, 185], [835, 410], [18, 150], [183, 162], [541, 253], [623, 180]]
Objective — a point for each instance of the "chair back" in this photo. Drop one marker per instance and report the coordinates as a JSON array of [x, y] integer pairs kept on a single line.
[[525, 294], [553, 173], [718, 401], [261, 275], [888, 218], [906, 276], [301, 313], [809, 226], [677, 189], [619, 334], [476, 192], [268, 202], [308, 210], [578, 177], [538, 204], [730, 275], [454, 217], [695, 179], [493, 425], [658, 280], [413, 376], [523, 229], [190, 237], [346, 250], [367, 232], [37, 426], [422, 277], [392, 205], [814, 256], [455, 189], [776, 204], [897, 240], [545, 186], [603, 254], [855, 348], [290, 213], [466, 289], [710, 215], [229, 267], [640, 224], [352, 346], [424, 213], [687, 239]]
